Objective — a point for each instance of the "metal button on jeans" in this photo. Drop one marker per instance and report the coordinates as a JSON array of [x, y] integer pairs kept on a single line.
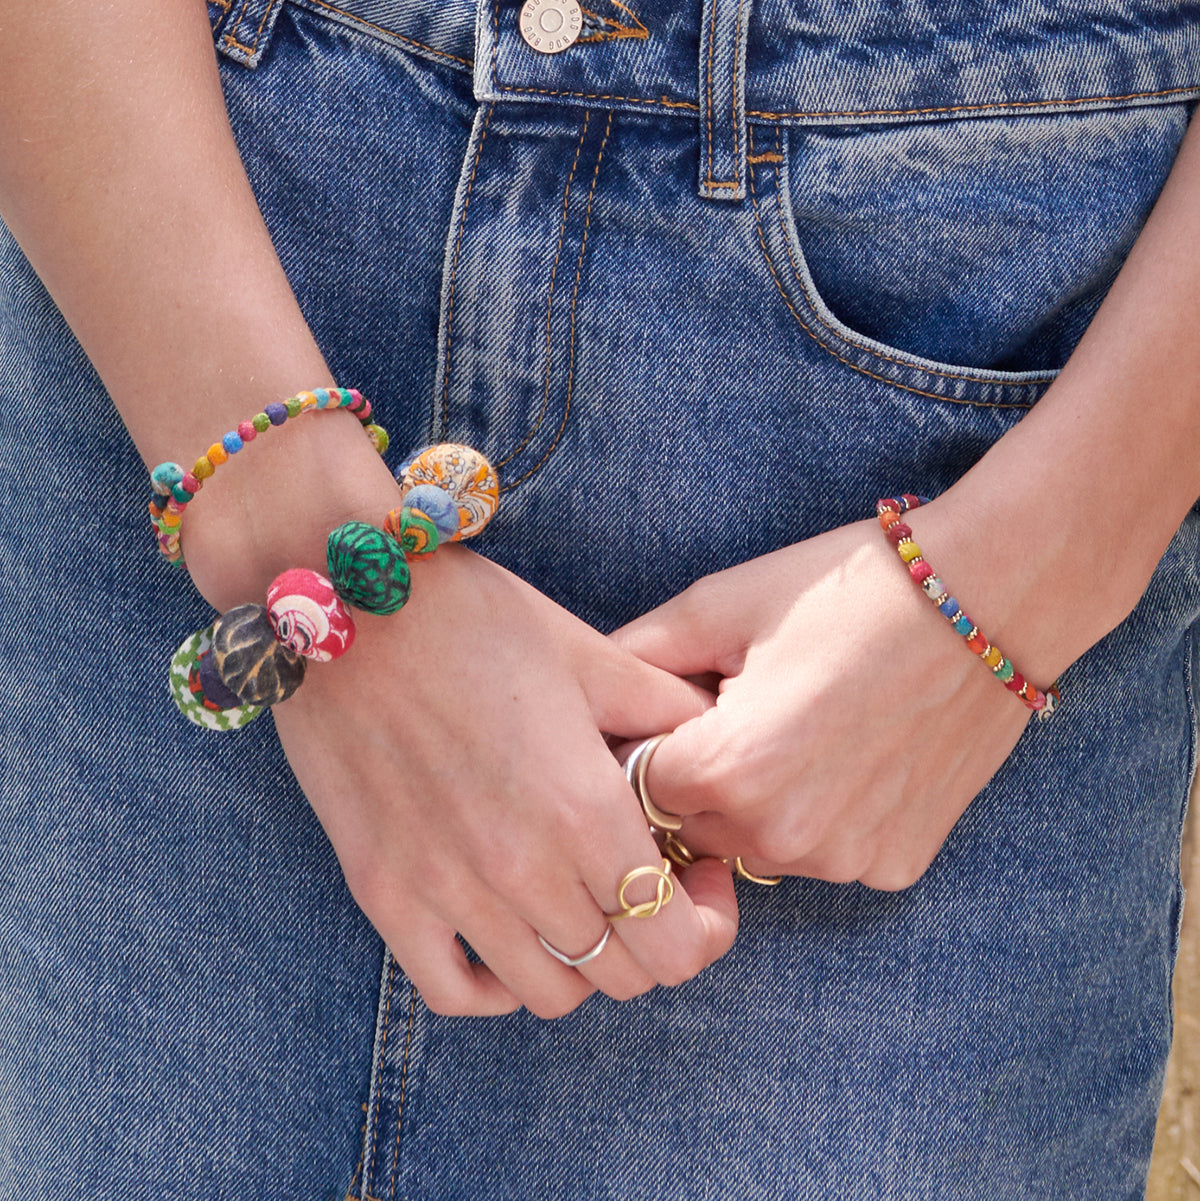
[[551, 25]]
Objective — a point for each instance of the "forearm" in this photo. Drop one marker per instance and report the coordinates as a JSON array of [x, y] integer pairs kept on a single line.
[[1057, 530], [120, 177]]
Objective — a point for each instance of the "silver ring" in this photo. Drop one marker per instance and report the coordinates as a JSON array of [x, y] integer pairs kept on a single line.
[[586, 957], [637, 766]]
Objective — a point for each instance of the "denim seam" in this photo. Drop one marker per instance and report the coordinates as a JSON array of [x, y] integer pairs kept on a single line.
[[961, 108], [840, 337], [587, 221], [841, 358], [230, 39], [1189, 692], [362, 1153], [408, 1040], [391, 33], [562, 229], [618, 30], [387, 1011], [462, 224]]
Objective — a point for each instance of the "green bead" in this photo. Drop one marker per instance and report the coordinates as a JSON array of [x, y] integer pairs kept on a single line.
[[367, 568], [1004, 672], [379, 438], [261, 422], [292, 404]]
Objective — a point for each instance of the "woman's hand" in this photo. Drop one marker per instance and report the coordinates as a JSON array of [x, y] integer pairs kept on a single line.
[[455, 759], [853, 725]]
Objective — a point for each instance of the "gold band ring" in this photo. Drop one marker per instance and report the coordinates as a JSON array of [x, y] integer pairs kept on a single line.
[[636, 768], [664, 891], [743, 873]]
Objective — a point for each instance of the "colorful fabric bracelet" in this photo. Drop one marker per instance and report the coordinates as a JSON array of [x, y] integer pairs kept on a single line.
[[256, 655], [890, 510], [174, 487]]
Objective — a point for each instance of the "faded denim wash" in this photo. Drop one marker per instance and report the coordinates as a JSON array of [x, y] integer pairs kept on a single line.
[[704, 284]]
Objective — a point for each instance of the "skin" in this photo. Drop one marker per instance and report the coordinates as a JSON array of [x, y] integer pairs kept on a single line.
[[825, 640], [124, 187]]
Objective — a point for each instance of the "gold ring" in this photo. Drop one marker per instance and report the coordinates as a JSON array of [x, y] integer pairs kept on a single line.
[[743, 873], [676, 851], [636, 768], [664, 891]]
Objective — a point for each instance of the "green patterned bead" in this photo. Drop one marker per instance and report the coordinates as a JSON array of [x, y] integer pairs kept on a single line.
[[261, 422], [367, 568], [292, 404]]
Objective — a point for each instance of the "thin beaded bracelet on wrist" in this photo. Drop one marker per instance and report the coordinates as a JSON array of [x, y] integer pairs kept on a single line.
[[256, 655], [173, 487], [889, 511]]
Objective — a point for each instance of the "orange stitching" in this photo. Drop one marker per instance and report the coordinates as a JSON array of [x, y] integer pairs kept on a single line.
[[562, 228], [222, 4], [960, 108], [412, 1010], [390, 33], [716, 183], [587, 221], [841, 337], [663, 100], [618, 30], [266, 13], [454, 268], [229, 37], [765, 157], [362, 1154], [983, 404], [382, 1051], [708, 87], [230, 40], [737, 41]]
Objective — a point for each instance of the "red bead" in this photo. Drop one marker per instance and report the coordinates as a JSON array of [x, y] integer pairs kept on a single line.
[[1016, 683], [898, 532], [920, 570], [247, 432], [887, 506], [190, 483], [913, 502]]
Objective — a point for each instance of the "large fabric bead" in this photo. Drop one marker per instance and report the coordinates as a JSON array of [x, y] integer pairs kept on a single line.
[[308, 616], [252, 663], [438, 506], [462, 472], [368, 568], [188, 694]]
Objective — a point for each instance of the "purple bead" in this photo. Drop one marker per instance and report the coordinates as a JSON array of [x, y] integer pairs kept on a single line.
[[214, 687], [277, 413]]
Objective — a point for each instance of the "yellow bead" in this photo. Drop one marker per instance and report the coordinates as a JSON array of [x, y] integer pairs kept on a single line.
[[992, 657], [203, 468], [169, 518], [909, 550], [308, 400]]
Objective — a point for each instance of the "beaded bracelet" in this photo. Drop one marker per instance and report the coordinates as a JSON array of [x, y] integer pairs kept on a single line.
[[173, 487], [889, 510], [256, 655]]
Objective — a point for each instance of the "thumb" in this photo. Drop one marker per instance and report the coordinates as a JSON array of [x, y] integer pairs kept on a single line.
[[634, 699], [694, 633]]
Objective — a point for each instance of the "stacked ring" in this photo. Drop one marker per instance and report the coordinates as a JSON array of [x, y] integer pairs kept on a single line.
[[579, 960], [663, 893]]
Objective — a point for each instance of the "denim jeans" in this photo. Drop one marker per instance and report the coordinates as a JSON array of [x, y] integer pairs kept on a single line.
[[702, 285]]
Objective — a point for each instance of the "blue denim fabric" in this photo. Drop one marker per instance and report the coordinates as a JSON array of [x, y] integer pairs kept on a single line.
[[676, 377]]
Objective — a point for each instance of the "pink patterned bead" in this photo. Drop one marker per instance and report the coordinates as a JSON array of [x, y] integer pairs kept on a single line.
[[247, 432], [308, 616]]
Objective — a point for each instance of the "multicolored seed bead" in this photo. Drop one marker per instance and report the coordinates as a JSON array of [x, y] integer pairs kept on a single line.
[[889, 510], [414, 530]]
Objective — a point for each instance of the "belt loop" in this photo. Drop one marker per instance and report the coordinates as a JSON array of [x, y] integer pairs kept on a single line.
[[244, 31], [723, 99]]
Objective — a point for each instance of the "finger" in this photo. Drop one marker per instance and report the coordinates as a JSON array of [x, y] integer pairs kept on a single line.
[[449, 983], [696, 632], [633, 699], [695, 928]]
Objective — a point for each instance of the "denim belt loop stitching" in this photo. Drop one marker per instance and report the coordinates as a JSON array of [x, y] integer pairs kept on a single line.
[[244, 32], [722, 91]]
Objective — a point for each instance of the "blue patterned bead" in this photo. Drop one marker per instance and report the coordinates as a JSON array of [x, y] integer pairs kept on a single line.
[[164, 478], [437, 505], [322, 395], [232, 442], [962, 625], [277, 413], [949, 607]]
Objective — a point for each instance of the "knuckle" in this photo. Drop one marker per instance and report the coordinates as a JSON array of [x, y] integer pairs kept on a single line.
[[894, 875], [551, 1006], [680, 964], [444, 999]]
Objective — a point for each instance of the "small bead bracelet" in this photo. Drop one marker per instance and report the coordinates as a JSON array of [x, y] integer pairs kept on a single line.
[[256, 655], [173, 486], [889, 511]]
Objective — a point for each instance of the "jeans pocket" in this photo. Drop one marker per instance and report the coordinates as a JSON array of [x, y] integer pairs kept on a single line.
[[960, 260]]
